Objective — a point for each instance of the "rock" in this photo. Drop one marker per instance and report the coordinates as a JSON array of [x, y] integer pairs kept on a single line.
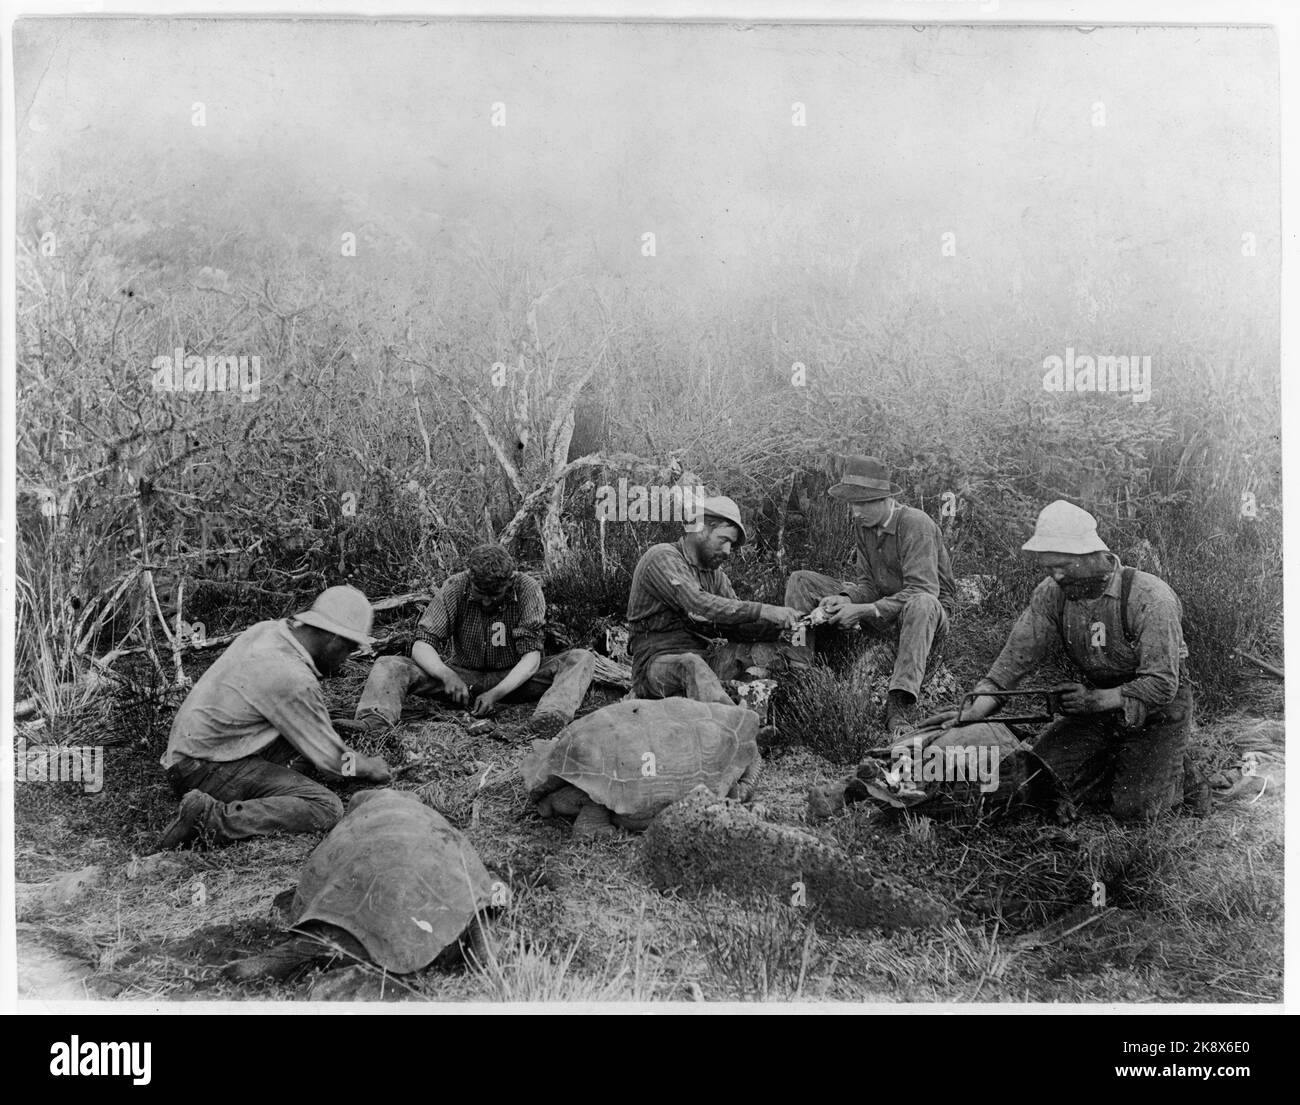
[[975, 590], [704, 842], [757, 695], [66, 888], [480, 728], [826, 801]]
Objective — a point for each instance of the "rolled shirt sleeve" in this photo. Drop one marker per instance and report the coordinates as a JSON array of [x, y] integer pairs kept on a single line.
[[434, 626], [530, 633]]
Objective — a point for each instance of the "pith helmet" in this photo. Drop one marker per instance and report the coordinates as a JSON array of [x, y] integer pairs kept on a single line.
[[1065, 528], [343, 611], [719, 506]]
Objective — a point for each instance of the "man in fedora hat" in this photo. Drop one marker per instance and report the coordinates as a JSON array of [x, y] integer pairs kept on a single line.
[[479, 643], [254, 712], [681, 598], [906, 587], [1123, 742]]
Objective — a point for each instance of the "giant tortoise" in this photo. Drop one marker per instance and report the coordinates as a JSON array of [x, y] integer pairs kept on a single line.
[[393, 884], [622, 764], [968, 769]]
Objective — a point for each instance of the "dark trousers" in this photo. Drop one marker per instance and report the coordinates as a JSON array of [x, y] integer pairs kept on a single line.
[[1134, 775], [259, 795]]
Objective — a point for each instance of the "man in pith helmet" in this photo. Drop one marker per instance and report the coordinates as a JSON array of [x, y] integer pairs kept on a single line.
[[1123, 741], [681, 598], [905, 588], [253, 713]]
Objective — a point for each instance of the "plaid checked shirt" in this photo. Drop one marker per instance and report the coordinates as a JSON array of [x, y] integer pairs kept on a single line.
[[470, 636]]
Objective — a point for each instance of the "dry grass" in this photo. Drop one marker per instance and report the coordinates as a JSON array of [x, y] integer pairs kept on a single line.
[[1193, 907]]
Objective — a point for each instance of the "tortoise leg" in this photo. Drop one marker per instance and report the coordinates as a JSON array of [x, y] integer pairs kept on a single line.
[[593, 821], [280, 962], [745, 785], [568, 801], [316, 943], [631, 822], [475, 944]]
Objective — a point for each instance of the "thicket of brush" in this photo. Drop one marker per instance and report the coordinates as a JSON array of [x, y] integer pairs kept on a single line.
[[411, 406]]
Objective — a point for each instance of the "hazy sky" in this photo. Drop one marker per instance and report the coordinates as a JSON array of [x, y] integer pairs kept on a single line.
[[612, 129]]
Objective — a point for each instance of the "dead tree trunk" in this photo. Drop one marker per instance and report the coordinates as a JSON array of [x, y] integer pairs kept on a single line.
[[531, 442]]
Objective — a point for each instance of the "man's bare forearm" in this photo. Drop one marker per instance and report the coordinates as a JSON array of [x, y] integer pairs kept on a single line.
[[426, 656], [518, 675], [486, 703]]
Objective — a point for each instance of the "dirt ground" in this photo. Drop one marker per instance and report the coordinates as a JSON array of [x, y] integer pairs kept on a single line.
[[1192, 908]]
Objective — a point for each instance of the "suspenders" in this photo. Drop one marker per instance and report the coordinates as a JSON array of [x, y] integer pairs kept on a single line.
[[1125, 589]]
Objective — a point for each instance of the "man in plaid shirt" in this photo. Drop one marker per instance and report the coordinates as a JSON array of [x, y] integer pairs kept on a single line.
[[479, 643]]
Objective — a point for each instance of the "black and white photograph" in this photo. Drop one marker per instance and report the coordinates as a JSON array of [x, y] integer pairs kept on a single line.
[[530, 513]]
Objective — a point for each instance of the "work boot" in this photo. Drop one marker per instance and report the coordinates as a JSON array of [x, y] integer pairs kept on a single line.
[[901, 713], [190, 822], [359, 726], [347, 728]]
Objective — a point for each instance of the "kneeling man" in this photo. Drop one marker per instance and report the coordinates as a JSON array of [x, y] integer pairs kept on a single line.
[[251, 714], [1123, 742]]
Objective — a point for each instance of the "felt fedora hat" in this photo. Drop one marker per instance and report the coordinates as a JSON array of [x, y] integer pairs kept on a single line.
[[865, 480], [343, 611]]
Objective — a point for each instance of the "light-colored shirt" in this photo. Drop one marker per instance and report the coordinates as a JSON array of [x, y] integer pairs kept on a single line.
[[264, 686], [1146, 668]]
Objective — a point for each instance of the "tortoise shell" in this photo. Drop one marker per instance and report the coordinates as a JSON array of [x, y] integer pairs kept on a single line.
[[952, 769], [637, 756], [396, 876]]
